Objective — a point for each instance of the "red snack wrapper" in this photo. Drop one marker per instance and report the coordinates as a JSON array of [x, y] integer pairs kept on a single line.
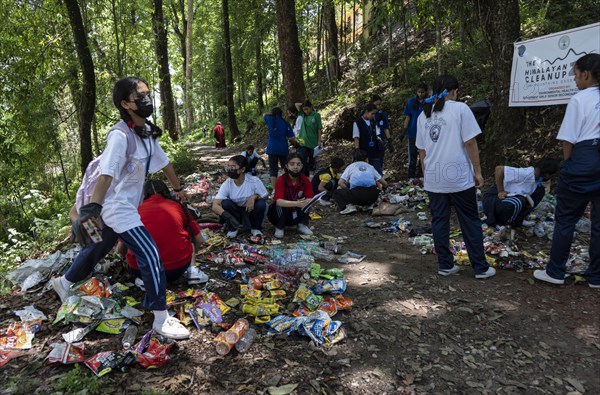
[[343, 303], [95, 287], [156, 355], [329, 306], [67, 353]]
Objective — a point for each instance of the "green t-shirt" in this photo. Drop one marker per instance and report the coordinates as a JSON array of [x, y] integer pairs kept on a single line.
[[309, 131]]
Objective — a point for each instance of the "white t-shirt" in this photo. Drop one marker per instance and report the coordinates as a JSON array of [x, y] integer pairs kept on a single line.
[[119, 209], [582, 118], [254, 155], [448, 168], [252, 186], [298, 125], [360, 174], [519, 181], [356, 131]]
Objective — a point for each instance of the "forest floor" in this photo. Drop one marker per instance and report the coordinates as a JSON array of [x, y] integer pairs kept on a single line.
[[410, 331]]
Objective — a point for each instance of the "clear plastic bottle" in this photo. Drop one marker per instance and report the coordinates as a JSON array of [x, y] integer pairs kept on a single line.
[[221, 345], [331, 246], [129, 336], [236, 331], [246, 341], [322, 253]]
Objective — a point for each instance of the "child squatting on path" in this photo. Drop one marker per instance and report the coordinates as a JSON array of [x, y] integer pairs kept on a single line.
[[115, 200], [579, 180], [446, 131]]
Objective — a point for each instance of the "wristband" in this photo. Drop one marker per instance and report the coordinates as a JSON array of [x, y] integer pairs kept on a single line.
[[178, 189]]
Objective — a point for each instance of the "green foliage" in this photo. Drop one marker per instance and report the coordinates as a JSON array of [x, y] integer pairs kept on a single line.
[[179, 155], [78, 381]]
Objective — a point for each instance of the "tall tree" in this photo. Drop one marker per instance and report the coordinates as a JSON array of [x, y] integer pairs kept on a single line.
[[164, 75], [289, 50], [189, 108], [233, 128], [500, 23], [87, 104], [333, 59], [258, 59]]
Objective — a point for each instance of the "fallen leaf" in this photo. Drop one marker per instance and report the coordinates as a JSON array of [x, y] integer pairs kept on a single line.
[[290, 362], [575, 383], [530, 281], [283, 390], [409, 379]]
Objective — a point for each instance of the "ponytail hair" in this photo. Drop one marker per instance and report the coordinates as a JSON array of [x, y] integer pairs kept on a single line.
[[276, 112], [591, 63], [441, 86], [156, 187]]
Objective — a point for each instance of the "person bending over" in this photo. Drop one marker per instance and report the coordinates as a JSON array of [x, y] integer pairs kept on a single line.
[[359, 185], [516, 192]]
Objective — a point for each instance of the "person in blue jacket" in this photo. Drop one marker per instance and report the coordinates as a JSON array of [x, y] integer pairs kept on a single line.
[[280, 131], [381, 120], [579, 180], [413, 109]]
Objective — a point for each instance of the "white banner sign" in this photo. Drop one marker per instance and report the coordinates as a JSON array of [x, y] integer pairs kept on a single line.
[[542, 68]]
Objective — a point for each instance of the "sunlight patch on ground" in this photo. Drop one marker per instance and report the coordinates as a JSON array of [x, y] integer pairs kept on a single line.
[[589, 332], [417, 307]]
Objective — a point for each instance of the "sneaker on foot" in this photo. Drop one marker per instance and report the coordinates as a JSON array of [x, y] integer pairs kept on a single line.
[[369, 207], [172, 329], [57, 286], [304, 230], [195, 275], [487, 274], [278, 233], [324, 202], [447, 272], [594, 285], [350, 208], [543, 276], [232, 233], [255, 232]]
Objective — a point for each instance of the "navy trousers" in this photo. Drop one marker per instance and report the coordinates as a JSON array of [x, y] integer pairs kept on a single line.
[[465, 203], [569, 209], [249, 220], [281, 217], [139, 241], [413, 155], [308, 160]]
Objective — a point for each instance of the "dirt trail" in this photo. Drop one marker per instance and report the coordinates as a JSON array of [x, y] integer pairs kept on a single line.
[[410, 332]]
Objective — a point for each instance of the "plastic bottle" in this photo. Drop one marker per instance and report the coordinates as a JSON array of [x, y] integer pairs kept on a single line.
[[331, 246], [236, 331], [246, 341], [129, 336], [221, 345]]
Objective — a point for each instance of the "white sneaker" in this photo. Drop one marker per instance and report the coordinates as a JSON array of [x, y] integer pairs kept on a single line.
[[232, 233], [350, 208], [304, 230], [489, 273], [278, 233], [594, 285], [543, 276], [195, 275], [255, 232], [447, 272], [369, 207], [324, 202], [57, 286], [172, 329]]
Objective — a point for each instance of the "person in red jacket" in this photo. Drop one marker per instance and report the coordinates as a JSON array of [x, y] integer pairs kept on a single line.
[[293, 191], [171, 226], [219, 134]]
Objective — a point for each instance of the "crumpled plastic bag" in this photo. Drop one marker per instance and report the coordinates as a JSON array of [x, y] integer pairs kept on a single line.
[[35, 271]]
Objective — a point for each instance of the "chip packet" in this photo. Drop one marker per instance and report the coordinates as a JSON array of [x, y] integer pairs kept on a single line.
[[66, 353]]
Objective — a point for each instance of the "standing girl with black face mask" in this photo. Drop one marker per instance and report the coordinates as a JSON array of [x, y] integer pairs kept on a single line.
[[116, 196], [240, 202], [293, 190]]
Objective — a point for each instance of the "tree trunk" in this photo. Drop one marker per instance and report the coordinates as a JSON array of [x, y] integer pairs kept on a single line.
[[333, 57], [189, 108], [233, 128], [354, 22], [88, 88], [319, 30], [117, 41], [289, 51], [438, 37], [389, 46], [164, 76], [259, 72], [500, 24], [405, 52]]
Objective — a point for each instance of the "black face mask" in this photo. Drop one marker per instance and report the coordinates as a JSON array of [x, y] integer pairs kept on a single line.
[[233, 174], [294, 173], [144, 106]]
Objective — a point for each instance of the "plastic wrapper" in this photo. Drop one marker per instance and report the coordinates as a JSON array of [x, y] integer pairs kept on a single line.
[[301, 294], [321, 329], [67, 308], [6, 356], [112, 327], [277, 294], [157, 353], [329, 306], [77, 334], [351, 257], [182, 314], [35, 271], [334, 286], [313, 301], [95, 287], [343, 303], [106, 361], [283, 324], [18, 336], [66, 353], [212, 311], [198, 317]]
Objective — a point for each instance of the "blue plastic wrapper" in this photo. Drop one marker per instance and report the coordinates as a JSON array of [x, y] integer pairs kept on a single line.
[[284, 324], [212, 311], [229, 274], [334, 286]]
